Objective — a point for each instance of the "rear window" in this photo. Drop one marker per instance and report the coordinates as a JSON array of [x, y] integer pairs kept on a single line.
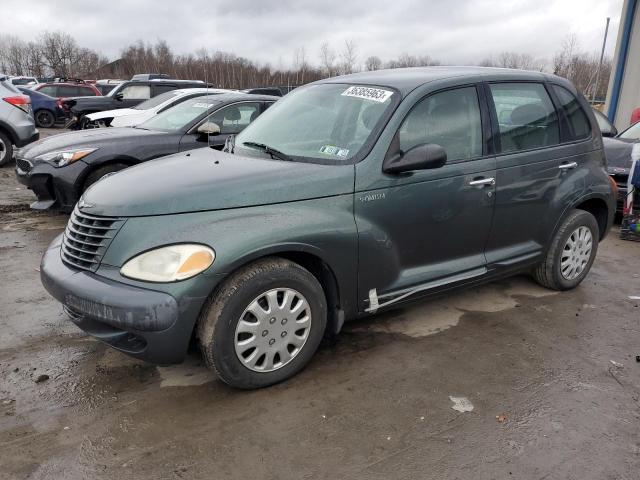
[[578, 120]]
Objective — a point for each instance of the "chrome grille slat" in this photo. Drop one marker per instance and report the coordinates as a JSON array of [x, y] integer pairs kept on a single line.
[[86, 238]]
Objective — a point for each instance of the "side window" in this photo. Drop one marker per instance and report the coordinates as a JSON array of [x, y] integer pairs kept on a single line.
[[578, 121], [234, 118], [86, 92], [158, 89], [68, 91], [136, 92], [50, 90], [450, 119], [526, 116]]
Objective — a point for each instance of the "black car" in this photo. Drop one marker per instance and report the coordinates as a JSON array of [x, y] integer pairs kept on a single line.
[[60, 168], [618, 148], [126, 95]]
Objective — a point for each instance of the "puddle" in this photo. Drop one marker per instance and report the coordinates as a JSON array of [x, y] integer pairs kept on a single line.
[[188, 374], [434, 316]]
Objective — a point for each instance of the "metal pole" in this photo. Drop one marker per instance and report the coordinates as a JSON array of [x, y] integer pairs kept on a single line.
[[604, 44]]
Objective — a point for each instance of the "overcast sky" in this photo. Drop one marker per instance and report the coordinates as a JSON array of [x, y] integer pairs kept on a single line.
[[452, 31]]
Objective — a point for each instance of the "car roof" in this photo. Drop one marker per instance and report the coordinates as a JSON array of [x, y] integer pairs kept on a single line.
[[407, 79], [238, 96], [66, 84]]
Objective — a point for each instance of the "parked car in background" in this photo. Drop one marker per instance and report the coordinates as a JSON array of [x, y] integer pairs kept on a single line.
[[618, 148], [70, 89], [17, 126], [106, 85], [47, 111], [60, 168], [126, 95], [350, 196], [24, 80], [130, 117]]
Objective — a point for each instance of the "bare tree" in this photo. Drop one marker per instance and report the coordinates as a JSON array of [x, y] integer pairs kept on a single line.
[[327, 60], [349, 57], [372, 63]]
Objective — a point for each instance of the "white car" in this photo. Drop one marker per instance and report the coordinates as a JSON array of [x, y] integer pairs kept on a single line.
[[130, 117]]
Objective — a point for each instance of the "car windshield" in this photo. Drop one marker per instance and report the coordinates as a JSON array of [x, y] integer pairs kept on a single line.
[[633, 132], [182, 115], [326, 123], [155, 101]]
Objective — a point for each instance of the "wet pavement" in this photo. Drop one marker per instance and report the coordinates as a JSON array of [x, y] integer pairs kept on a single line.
[[550, 380]]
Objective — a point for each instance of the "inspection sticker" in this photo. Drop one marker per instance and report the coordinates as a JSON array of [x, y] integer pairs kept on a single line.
[[375, 94], [333, 150]]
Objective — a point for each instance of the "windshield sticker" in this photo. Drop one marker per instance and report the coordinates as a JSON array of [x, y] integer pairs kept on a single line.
[[332, 150], [375, 94]]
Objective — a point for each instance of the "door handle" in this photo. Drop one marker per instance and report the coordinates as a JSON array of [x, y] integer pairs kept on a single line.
[[482, 182], [568, 166]]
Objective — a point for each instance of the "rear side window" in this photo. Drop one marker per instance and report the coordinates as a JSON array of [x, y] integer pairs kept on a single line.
[[526, 116], [86, 92], [578, 121], [50, 90], [68, 91], [450, 119]]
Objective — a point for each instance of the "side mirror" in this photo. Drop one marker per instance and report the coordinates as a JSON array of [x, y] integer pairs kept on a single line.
[[119, 96], [208, 128], [421, 157]]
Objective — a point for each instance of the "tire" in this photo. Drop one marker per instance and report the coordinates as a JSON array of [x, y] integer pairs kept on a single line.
[[218, 326], [6, 149], [98, 173], [45, 119], [549, 273]]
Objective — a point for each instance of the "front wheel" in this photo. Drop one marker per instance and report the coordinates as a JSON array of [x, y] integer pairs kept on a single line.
[[264, 324], [571, 254], [6, 149]]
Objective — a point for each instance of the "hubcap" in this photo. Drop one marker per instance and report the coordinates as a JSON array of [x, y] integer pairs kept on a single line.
[[3, 150], [576, 253], [272, 330]]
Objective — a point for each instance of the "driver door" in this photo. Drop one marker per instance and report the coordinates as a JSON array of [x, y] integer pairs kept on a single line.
[[425, 229], [231, 120]]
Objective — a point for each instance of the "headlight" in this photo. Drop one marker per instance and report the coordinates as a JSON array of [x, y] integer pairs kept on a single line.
[[65, 157], [169, 264]]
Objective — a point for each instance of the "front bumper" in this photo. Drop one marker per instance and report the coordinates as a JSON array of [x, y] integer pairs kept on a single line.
[[146, 324], [53, 187]]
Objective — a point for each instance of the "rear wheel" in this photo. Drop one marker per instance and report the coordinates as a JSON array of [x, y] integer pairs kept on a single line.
[[264, 324], [6, 149], [571, 253], [98, 173], [45, 119]]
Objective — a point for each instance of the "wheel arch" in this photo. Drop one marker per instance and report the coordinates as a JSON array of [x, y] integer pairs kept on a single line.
[[594, 204], [312, 259], [124, 159], [7, 130]]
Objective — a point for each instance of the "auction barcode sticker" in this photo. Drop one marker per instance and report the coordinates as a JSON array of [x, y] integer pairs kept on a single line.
[[375, 94]]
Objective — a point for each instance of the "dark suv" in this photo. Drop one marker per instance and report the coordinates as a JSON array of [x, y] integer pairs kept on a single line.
[[126, 95], [349, 196]]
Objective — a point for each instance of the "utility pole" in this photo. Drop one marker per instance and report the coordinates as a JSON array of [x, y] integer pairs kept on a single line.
[[604, 43]]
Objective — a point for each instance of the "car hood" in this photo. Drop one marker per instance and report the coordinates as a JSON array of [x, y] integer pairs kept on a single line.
[[207, 179], [123, 112], [618, 153], [95, 137]]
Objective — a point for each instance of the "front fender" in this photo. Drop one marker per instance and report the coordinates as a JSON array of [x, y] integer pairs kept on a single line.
[[324, 228]]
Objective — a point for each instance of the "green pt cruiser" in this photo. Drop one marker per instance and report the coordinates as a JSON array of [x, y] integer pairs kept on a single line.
[[349, 196]]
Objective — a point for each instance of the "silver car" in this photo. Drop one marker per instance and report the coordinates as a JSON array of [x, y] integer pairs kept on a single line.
[[17, 126]]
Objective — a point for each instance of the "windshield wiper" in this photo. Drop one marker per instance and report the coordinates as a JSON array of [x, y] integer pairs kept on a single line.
[[270, 151]]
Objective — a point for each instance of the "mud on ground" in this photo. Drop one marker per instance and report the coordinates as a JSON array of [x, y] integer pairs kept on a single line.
[[552, 379]]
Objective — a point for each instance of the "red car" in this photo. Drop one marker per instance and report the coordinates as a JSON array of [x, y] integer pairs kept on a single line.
[[65, 90]]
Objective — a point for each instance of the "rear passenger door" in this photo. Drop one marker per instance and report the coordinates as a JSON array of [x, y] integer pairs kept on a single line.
[[536, 157]]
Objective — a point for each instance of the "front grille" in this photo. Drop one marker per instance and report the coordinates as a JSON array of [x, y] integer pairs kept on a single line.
[[86, 238], [24, 165]]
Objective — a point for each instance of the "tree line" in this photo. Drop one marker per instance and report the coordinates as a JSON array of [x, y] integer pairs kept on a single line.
[[57, 54]]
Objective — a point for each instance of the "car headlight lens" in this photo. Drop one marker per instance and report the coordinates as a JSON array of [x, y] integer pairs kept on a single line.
[[170, 263], [65, 157]]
